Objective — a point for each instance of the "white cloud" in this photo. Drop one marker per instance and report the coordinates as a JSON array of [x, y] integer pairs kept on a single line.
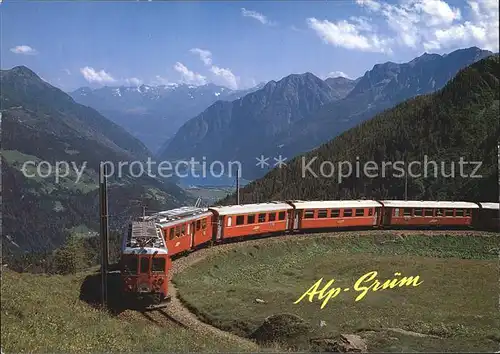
[[188, 76], [337, 74], [437, 12], [415, 24], [160, 80], [92, 75], [256, 15], [67, 71], [225, 76], [363, 23], [370, 4], [348, 35], [133, 81], [222, 76], [24, 49], [205, 55]]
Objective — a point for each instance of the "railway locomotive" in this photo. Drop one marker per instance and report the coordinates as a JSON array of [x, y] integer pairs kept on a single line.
[[144, 265], [152, 240]]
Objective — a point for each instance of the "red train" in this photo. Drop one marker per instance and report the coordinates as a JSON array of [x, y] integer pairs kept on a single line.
[[150, 242]]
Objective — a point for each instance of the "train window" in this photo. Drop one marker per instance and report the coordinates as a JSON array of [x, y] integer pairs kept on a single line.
[[177, 231], [347, 212], [360, 212], [144, 265], [448, 212], [229, 221], [418, 212], [309, 214], [204, 224], [130, 266], [370, 212], [396, 211], [250, 219], [407, 211], [183, 229], [439, 212], [467, 212], [198, 225], [459, 212], [158, 265], [429, 212], [272, 216], [334, 213], [281, 215], [172, 233], [322, 213], [262, 217], [240, 219]]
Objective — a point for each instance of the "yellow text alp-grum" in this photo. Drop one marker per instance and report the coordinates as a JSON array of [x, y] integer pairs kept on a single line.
[[363, 285]]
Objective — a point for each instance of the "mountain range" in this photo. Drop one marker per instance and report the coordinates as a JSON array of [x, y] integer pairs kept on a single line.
[[459, 121], [301, 112], [154, 113], [44, 126]]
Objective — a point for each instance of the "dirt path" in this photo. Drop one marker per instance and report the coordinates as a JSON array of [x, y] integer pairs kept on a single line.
[[181, 315]]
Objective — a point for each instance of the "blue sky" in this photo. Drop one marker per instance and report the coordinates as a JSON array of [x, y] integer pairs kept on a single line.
[[233, 43]]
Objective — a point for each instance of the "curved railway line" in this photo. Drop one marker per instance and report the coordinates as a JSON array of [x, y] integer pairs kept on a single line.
[[178, 313]]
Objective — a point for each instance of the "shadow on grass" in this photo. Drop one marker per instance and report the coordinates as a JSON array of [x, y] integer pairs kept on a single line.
[[91, 293]]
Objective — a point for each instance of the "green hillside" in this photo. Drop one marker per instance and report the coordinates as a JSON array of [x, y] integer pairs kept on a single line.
[[42, 124], [43, 314], [459, 121]]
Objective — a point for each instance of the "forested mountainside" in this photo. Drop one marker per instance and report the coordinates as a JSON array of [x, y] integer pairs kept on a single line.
[[153, 114], [457, 122], [42, 123], [39, 106], [379, 89], [301, 112]]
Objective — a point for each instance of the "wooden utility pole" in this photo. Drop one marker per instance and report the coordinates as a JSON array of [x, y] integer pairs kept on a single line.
[[103, 206], [406, 176], [238, 186]]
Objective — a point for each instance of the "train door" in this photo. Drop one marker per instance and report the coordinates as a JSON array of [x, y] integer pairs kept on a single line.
[[296, 219], [375, 216], [387, 215], [193, 231], [220, 223]]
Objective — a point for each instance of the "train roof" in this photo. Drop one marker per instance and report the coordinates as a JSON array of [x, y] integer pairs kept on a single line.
[[325, 204], [175, 214], [142, 235], [428, 204], [144, 250], [494, 206], [167, 223], [250, 208]]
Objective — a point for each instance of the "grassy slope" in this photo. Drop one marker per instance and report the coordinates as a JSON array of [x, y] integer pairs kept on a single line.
[[43, 314], [457, 299]]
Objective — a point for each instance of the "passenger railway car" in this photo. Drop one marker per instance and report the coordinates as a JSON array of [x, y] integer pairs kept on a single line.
[[422, 213], [184, 228], [145, 265], [488, 216], [335, 214], [250, 219], [146, 251]]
